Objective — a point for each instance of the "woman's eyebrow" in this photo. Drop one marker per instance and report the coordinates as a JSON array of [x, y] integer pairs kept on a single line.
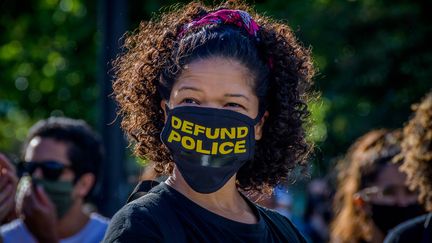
[[189, 88], [237, 95]]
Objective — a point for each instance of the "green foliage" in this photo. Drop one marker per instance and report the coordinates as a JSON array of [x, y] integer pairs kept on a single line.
[[374, 60], [48, 63]]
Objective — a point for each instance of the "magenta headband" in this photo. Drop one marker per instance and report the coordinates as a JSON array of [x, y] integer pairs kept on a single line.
[[234, 17], [238, 18]]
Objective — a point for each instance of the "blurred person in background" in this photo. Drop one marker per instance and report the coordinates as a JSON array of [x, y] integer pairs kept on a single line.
[[283, 201], [318, 211], [371, 197], [62, 157], [417, 164], [8, 182]]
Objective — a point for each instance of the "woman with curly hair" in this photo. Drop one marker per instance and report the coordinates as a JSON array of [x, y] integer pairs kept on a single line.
[[417, 150], [371, 197], [216, 98]]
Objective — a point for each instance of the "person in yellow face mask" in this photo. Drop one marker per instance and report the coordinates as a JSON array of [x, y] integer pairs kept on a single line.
[[216, 98]]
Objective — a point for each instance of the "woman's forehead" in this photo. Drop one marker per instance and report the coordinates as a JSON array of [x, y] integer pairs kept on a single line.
[[215, 75]]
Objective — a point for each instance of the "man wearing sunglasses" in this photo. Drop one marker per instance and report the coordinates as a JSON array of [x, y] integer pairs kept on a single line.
[[60, 165]]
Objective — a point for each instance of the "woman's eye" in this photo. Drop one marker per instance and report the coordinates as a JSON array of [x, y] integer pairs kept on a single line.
[[235, 105], [189, 101]]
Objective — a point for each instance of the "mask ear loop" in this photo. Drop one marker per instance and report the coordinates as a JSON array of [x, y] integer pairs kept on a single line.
[[261, 110], [167, 109]]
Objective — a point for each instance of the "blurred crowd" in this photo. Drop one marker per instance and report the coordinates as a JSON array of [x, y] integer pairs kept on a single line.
[[382, 191], [44, 196]]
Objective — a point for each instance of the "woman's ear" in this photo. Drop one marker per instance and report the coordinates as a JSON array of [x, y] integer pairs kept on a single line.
[[163, 105], [259, 127]]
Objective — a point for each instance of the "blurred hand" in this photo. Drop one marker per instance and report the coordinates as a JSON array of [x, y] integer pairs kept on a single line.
[[40, 215], [8, 184]]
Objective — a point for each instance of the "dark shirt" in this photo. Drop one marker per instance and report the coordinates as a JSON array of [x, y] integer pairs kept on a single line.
[[165, 215], [416, 230]]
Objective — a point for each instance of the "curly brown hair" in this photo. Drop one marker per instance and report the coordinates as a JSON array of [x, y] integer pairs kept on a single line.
[[154, 57], [417, 151], [356, 171]]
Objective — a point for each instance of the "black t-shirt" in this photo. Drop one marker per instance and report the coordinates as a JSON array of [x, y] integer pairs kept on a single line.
[[416, 230], [165, 215]]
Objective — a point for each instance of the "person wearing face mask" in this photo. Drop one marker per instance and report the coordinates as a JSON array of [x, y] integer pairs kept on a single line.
[[59, 170], [417, 151], [371, 197], [216, 98]]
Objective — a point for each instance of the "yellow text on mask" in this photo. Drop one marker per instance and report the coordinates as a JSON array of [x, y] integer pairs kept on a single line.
[[234, 145], [190, 143], [211, 133]]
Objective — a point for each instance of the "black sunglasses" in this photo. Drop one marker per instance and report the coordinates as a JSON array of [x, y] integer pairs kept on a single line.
[[51, 169]]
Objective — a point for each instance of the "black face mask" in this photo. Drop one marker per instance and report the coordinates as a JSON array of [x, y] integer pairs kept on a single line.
[[208, 145], [386, 217]]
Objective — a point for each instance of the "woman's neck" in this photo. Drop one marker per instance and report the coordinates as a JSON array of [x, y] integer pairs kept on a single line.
[[226, 201]]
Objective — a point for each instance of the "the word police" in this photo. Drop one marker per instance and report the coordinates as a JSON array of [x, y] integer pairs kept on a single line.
[[233, 135]]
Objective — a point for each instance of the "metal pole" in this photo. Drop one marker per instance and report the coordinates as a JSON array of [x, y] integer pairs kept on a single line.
[[111, 27]]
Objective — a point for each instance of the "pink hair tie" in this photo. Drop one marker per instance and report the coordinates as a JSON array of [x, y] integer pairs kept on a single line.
[[237, 18]]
